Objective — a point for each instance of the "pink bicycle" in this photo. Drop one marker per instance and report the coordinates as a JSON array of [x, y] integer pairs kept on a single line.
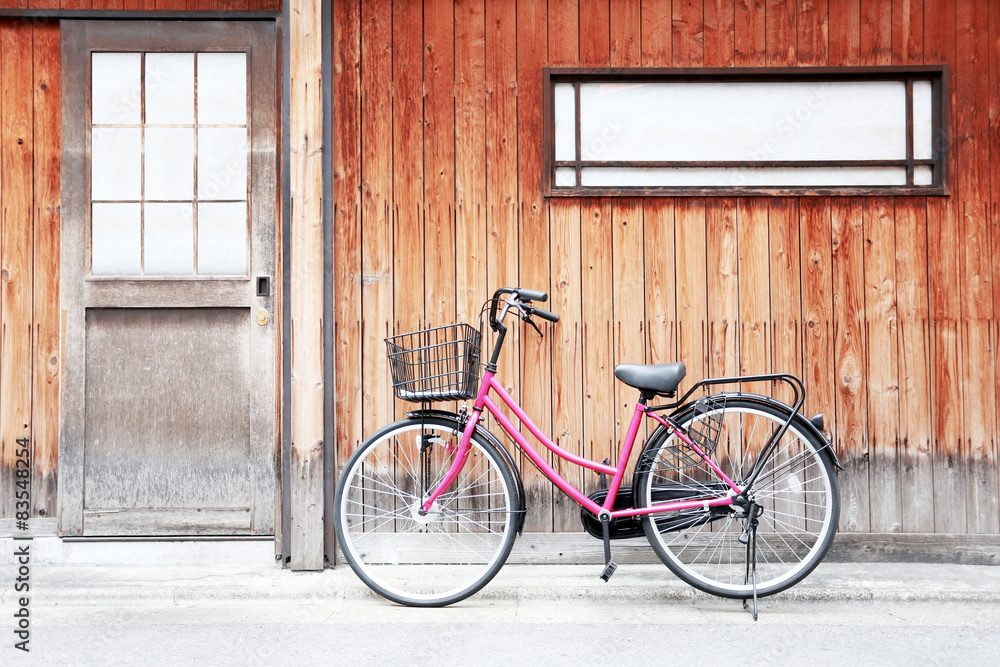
[[736, 492]]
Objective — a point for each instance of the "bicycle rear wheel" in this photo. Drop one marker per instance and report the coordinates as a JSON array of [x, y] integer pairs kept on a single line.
[[452, 551], [796, 489]]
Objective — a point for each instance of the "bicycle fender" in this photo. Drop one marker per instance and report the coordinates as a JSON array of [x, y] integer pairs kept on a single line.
[[493, 440], [801, 423]]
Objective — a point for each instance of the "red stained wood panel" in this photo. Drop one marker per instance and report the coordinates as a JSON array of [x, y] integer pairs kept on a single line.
[[692, 303], [722, 264], [720, 36], [817, 309], [844, 26], [751, 36], [786, 291], [595, 33], [688, 38], [657, 33], [812, 24], [780, 32], [16, 155]]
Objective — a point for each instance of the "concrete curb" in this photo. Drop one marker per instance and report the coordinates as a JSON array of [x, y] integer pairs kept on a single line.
[[124, 586]]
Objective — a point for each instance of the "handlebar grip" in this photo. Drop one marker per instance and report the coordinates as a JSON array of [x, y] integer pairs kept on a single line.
[[545, 315], [532, 295]]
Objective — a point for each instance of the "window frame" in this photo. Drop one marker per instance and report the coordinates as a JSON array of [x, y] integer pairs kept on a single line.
[[938, 75]]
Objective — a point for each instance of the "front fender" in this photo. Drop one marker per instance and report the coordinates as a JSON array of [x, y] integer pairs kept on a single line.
[[493, 440]]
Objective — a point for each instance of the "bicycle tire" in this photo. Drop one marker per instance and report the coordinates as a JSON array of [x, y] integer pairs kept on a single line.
[[450, 553], [797, 490]]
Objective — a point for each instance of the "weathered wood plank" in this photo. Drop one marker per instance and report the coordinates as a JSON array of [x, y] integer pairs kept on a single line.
[[46, 362], [629, 309], [346, 21], [656, 33], [844, 33], [688, 38], [883, 372], [720, 36], [993, 149], [754, 277], [626, 33], [722, 264], [972, 155], [780, 33], [692, 300], [564, 33], [566, 339], [945, 309], [812, 32], [307, 386], [470, 160], [817, 310], [660, 256], [849, 350], [376, 213], [533, 249], [595, 33], [439, 162], [16, 154], [876, 32], [908, 32], [786, 291], [750, 31], [598, 342]]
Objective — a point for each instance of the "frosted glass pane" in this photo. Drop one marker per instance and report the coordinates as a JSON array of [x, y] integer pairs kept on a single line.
[[169, 163], [170, 88], [115, 91], [565, 177], [169, 246], [222, 239], [222, 88], [743, 121], [565, 112], [116, 163], [115, 240], [923, 175], [222, 163], [923, 128], [737, 177]]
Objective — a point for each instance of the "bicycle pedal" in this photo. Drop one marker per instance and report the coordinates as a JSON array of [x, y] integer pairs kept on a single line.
[[609, 569]]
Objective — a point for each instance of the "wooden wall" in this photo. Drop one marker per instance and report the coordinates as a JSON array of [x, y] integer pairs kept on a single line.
[[884, 305]]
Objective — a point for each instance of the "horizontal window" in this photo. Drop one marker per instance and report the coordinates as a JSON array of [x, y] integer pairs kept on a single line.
[[749, 131]]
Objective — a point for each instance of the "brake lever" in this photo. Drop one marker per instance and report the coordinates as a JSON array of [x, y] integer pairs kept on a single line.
[[527, 318]]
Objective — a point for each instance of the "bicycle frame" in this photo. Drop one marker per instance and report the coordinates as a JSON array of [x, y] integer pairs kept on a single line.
[[485, 402]]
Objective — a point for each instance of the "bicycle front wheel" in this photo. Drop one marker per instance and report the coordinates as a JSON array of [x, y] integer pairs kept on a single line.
[[796, 490], [452, 551]]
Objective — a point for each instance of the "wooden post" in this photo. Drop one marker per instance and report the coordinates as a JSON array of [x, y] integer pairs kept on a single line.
[[306, 167]]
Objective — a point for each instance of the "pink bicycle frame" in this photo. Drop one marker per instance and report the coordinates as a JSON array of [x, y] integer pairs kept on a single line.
[[483, 401]]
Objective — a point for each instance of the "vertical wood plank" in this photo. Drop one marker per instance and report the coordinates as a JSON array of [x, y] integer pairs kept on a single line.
[[754, 295], [629, 307], [626, 33], [347, 238], [972, 84], [15, 248], [720, 33], [849, 351], [812, 31], [595, 33], [692, 300], [408, 165], [876, 32], [817, 309], [533, 238], [470, 160], [598, 361], [993, 149], [659, 251], [750, 32], [688, 39], [723, 288], [657, 33], [566, 339], [307, 388], [376, 213], [945, 310], [845, 33], [907, 32], [786, 290], [781, 32], [564, 33], [915, 408], [46, 362], [439, 161], [883, 372]]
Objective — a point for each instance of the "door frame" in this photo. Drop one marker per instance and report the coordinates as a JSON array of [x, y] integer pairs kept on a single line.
[[260, 39]]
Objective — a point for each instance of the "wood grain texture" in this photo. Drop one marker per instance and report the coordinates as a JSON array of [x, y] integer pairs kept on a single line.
[[751, 33], [720, 34], [657, 33], [722, 264], [692, 300], [629, 309], [849, 350], [688, 38], [786, 290], [16, 183], [817, 310], [812, 23], [754, 290], [45, 361]]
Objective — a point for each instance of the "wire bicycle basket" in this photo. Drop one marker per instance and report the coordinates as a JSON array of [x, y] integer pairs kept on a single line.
[[440, 364], [704, 431]]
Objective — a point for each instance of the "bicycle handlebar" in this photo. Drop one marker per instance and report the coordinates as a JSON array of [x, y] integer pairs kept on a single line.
[[522, 298]]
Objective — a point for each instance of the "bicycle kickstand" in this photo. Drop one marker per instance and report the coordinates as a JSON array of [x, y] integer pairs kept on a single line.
[[749, 538], [609, 565]]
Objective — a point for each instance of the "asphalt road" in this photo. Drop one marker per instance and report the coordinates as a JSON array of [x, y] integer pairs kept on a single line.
[[482, 632]]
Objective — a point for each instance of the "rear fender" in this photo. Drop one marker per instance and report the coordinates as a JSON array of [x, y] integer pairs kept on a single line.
[[486, 435]]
